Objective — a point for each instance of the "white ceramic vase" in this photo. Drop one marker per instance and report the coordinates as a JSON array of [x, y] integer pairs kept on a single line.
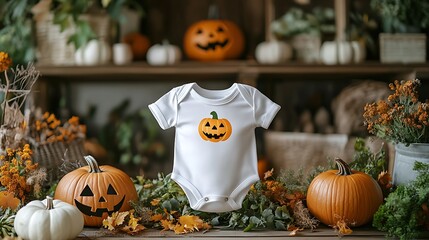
[[405, 156]]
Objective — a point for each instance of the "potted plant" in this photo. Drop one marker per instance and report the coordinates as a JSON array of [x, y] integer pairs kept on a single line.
[[403, 120], [305, 30], [403, 24]]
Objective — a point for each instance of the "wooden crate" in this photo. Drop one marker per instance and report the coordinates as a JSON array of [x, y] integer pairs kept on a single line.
[[402, 48]]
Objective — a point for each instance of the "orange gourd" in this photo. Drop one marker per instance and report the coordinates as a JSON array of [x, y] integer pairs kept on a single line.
[[215, 129], [97, 191], [213, 40], [345, 194], [139, 44]]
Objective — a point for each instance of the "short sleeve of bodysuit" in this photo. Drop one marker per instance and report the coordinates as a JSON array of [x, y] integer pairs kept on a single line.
[[165, 109], [265, 109]]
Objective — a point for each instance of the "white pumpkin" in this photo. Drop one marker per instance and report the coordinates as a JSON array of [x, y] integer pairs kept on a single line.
[[163, 54], [95, 52], [48, 220], [272, 52], [343, 53]]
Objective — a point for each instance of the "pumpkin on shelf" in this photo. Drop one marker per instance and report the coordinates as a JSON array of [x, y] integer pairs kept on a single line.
[[95, 52], [48, 219], [347, 195], [213, 39], [215, 129], [272, 52], [97, 191], [163, 54], [139, 44]]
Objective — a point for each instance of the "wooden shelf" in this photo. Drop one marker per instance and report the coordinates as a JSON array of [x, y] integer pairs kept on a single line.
[[228, 70], [318, 233]]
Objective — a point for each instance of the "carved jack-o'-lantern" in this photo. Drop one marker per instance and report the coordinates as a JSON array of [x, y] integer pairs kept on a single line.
[[96, 191], [215, 129], [213, 40]]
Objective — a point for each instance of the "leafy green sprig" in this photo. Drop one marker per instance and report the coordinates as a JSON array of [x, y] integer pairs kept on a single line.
[[405, 212]]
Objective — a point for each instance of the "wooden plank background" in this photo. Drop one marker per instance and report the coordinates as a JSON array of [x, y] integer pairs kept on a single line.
[[169, 19]]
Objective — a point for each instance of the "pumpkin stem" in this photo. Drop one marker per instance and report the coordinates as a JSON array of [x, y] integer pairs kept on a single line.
[[213, 12], [92, 163], [49, 203], [214, 114], [343, 167]]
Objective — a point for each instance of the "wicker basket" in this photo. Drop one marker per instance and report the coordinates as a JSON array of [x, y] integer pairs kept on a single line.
[[52, 47], [59, 157], [402, 48]]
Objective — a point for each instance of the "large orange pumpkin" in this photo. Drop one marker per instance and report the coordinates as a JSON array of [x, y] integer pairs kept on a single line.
[[346, 195], [214, 129], [97, 191], [213, 40]]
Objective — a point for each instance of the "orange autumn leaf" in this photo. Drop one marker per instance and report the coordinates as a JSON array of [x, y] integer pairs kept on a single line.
[[8, 200], [342, 228], [167, 224], [123, 221], [155, 202], [116, 219], [180, 229], [191, 222], [132, 231], [156, 217]]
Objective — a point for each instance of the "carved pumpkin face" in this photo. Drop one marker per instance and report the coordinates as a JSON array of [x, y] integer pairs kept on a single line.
[[214, 129], [96, 191], [213, 40]]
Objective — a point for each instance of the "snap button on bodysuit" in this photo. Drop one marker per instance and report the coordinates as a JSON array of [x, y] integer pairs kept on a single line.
[[206, 199], [226, 199]]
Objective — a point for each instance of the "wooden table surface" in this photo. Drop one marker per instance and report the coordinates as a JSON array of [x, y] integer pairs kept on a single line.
[[319, 233]]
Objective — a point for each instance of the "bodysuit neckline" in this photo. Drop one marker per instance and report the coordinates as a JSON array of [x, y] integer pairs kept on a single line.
[[214, 97]]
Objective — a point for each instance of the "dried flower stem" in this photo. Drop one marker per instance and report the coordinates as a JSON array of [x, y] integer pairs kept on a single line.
[[16, 90]]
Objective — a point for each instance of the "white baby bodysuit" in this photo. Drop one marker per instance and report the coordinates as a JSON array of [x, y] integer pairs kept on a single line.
[[215, 159]]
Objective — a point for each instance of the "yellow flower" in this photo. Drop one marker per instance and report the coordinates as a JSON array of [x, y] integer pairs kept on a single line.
[[5, 61]]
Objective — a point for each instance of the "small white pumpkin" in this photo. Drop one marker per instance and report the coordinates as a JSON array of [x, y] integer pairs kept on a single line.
[[333, 52], [48, 220], [272, 52], [163, 54], [95, 52]]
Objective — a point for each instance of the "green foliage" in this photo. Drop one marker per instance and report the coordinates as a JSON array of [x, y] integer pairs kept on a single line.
[[257, 212], [366, 161], [164, 190], [402, 215], [296, 21], [7, 217], [401, 16], [133, 138], [16, 32]]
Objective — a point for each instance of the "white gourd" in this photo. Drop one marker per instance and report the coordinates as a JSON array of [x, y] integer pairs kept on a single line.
[[95, 52], [343, 53], [48, 220], [272, 52], [163, 54]]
